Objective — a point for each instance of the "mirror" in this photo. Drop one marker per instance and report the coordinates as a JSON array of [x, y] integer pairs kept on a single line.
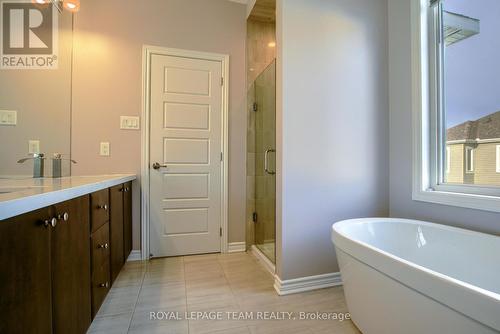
[[39, 98]]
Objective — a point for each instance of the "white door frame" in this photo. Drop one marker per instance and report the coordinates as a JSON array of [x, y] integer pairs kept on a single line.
[[147, 52]]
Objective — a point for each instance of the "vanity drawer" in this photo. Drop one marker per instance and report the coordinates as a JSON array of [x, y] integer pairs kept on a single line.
[[99, 209], [101, 274]]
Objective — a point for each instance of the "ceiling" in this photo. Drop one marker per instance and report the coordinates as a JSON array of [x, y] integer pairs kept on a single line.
[[264, 10]]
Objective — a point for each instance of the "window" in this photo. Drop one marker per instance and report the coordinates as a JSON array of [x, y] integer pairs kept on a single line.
[[469, 159], [498, 158], [448, 160], [456, 102]]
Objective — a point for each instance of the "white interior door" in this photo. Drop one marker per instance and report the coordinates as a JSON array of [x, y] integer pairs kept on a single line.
[[185, 155]]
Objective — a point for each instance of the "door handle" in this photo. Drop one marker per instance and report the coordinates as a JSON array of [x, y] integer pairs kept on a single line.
[[266, 161], [157, 166]]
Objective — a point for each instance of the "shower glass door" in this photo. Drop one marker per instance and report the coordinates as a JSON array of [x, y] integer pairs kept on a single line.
[[265, 161]]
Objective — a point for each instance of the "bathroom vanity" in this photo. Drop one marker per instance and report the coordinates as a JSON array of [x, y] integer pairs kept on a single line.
[[62, 244]]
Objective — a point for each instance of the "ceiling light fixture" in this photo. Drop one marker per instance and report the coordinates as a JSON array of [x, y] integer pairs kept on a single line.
[[71, 5]]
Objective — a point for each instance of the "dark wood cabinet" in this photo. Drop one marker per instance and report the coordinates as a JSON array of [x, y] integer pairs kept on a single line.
[[116, 229], [99, 208], [58, 263], [70, 265], [101, 275], [25, 278], [127, 219]]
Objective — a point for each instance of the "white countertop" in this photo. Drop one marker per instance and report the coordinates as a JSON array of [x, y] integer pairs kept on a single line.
[[19, 195]]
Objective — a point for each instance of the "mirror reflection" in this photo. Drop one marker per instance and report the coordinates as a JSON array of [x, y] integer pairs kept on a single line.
[[35, 99]]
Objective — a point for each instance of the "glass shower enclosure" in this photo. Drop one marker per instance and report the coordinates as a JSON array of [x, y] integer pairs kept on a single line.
[[264, 130]]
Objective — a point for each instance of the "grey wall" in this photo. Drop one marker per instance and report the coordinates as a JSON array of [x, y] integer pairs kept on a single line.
[[332, 114], [109, 36], [401, 203]]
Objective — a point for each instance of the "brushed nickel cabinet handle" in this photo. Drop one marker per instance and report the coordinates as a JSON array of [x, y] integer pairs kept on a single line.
[[105, 246], [50, 222], [104, 285], [104, 207], [63, 217]]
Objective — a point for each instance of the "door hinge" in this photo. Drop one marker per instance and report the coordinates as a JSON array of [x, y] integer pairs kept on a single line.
[[222, 81], [254, 217], [221, 156], [220, 231], [255, 106]]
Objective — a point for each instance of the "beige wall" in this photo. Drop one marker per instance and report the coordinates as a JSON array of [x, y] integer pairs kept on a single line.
[[332, 125], [457, 166], [484, 164], [109, 36]]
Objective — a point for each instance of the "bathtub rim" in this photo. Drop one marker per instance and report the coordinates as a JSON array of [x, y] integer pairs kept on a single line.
[[472, 301]]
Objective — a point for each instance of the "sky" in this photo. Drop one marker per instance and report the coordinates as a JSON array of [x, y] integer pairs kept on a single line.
[[472, 83]]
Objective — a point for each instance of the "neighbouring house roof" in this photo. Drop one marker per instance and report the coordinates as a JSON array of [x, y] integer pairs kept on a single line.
[[458, 27], [487, 127]]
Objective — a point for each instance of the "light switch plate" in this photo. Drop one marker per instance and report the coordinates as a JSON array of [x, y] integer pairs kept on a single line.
[[8, 117], [104, 151], [130, 123], [33, 146]]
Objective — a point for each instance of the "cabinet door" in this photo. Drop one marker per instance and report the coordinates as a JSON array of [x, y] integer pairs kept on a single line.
[[25, 297], [101, 274], [70, 254], [116, 229], [127, 217], [99, 208]]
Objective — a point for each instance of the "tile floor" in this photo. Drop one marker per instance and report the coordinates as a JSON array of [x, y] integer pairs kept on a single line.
[[211, 283]]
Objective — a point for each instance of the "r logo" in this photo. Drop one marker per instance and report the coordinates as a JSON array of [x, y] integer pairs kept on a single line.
[[27, 29], [29, 36]]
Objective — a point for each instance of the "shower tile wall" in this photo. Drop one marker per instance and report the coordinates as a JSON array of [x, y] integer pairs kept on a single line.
[[259, 55]]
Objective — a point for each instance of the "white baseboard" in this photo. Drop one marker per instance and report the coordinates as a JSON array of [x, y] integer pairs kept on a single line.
[[264, 260], [135, 255], [309, 283], [236, 247]]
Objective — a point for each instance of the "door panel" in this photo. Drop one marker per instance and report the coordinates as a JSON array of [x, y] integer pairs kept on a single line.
[[71, 267], [265, 162], [101, 275], [116, 229], [127, 220], [25, 283], [186, 136]]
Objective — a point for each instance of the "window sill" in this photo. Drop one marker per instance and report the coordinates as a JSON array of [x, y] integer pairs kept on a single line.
[[470, 201]]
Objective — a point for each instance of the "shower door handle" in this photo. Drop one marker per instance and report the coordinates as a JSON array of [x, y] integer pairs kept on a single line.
[[266, 161]]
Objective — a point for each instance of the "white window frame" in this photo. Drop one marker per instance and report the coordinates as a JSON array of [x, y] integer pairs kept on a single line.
[[429, 126], [498, 158]]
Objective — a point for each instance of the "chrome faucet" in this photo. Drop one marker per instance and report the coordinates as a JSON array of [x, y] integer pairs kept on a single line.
[[57, 164], [38, 164]]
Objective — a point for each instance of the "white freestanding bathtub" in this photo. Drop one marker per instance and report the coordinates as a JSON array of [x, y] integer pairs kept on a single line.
[[406, 276]]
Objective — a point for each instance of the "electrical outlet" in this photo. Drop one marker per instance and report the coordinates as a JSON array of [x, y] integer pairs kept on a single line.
[[33, 146], [129, 123], [104, 149], [8, 117]]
